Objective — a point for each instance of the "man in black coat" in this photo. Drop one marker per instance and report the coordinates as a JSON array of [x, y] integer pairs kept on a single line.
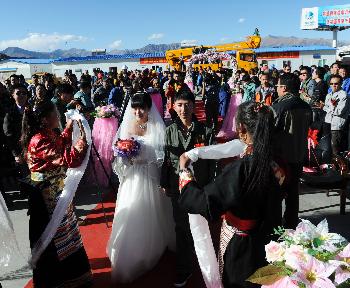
[[293, 117], [12, 125]]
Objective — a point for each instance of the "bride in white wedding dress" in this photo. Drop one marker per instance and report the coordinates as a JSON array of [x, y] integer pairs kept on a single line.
[[143, 224]]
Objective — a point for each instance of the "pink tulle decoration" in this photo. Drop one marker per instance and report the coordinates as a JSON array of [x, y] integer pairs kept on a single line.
[[228, 129], [103, 133], [190, 85], [157, 100]]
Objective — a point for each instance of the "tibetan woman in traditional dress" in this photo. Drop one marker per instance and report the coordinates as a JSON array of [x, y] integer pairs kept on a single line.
[[247, 195], [63, 262]]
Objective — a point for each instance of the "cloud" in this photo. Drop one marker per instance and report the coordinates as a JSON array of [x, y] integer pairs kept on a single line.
[[42, 42], [155, 36], [116, 44], [189, 42], [241, 20], [224, 39]]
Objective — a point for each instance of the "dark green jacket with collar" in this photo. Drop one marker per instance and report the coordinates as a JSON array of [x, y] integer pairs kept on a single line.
[[175, 146]]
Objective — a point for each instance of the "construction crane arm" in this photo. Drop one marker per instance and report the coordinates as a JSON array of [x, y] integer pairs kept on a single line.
[[174, 57]]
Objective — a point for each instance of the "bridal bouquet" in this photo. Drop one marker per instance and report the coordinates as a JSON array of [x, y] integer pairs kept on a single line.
[[308, 257], [107, 111], [127, 149]]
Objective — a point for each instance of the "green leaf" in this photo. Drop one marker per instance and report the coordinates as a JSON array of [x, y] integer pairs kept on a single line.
[[317, 242], [312, 252], [267, 275], [345, 284]]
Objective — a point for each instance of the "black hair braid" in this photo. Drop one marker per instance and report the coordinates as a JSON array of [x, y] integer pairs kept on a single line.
[[262, 148], [259, 122]]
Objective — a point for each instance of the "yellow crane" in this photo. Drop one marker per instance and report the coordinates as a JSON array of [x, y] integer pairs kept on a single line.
[[244, 56]]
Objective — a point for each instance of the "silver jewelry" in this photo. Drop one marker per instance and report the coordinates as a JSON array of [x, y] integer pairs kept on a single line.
[[143, 126]]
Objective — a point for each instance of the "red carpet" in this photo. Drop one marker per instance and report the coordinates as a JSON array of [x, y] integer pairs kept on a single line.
[[95, 236]]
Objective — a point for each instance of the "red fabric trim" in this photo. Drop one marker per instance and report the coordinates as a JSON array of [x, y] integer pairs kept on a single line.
[[240, 224], [183, 183]]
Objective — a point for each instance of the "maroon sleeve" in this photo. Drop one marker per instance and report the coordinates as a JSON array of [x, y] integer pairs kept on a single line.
[[75, 155], [45, 153]]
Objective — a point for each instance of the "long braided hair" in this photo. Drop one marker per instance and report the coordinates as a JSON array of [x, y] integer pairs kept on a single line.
[[258, 119]]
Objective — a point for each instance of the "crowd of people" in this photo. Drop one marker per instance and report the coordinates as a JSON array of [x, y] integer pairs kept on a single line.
[[276, 112]]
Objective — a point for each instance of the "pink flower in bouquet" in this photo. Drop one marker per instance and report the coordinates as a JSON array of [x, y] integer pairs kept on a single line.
[[283, 283], [294, 255], [127, 148], [304, 232], [343, 271], [107, 111], [274, 252], [314, 273]]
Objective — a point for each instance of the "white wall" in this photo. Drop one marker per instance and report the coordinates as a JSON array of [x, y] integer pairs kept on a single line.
[[59, 68], [26, 69], [305, 58], [40, 68], [21, 68], [327, 57]]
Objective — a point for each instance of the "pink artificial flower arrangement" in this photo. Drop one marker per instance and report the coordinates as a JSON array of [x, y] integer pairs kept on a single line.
[[107, 111], [307, 257]]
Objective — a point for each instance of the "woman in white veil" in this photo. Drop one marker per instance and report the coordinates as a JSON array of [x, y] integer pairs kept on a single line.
[[143, 226]]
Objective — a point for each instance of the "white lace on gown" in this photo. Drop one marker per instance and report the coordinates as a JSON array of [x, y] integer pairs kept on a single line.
[[143, 225]]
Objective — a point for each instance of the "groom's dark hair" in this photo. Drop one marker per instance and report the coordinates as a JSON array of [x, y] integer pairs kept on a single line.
[[141, 100], [185, 94]]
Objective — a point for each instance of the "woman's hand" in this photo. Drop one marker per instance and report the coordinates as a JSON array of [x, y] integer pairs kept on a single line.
[[184, 161], [319, 105], [69, 124], [19, 160], [82, 131]]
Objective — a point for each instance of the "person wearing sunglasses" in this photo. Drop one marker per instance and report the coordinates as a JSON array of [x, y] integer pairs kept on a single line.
[[337, 109], [307, 84]]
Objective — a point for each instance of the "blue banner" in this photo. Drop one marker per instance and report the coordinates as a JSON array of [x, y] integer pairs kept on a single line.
[[338, 15]]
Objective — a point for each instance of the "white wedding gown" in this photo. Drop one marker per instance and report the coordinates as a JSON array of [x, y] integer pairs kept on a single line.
[[143, 223]]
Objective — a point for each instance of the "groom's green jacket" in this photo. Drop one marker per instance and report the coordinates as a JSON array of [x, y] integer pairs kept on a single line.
[[175, 145]]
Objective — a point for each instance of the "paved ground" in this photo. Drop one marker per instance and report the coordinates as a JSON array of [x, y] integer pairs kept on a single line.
[[87, 198]]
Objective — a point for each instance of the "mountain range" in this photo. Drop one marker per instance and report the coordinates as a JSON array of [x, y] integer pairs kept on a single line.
[[268, 41]]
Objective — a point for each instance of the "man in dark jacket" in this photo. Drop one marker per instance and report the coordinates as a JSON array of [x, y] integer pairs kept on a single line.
[[293, 117], [12, 125], [63, 101], [116, 95], [211, 94]]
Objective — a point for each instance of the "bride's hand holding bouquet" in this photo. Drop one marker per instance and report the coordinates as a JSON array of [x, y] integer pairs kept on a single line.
[[127, 149]]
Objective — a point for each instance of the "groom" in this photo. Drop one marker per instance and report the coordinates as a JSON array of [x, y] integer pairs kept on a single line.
[[183, 135]]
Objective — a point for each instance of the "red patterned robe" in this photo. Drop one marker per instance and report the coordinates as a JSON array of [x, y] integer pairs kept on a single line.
[[64, 263]]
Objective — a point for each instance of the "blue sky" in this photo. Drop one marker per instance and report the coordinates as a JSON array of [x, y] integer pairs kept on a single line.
[[47, 25]]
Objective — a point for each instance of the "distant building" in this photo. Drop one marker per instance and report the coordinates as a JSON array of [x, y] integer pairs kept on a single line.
[[26, 67], [296, 56], [343, 55], [97, 52], [108, 63]]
